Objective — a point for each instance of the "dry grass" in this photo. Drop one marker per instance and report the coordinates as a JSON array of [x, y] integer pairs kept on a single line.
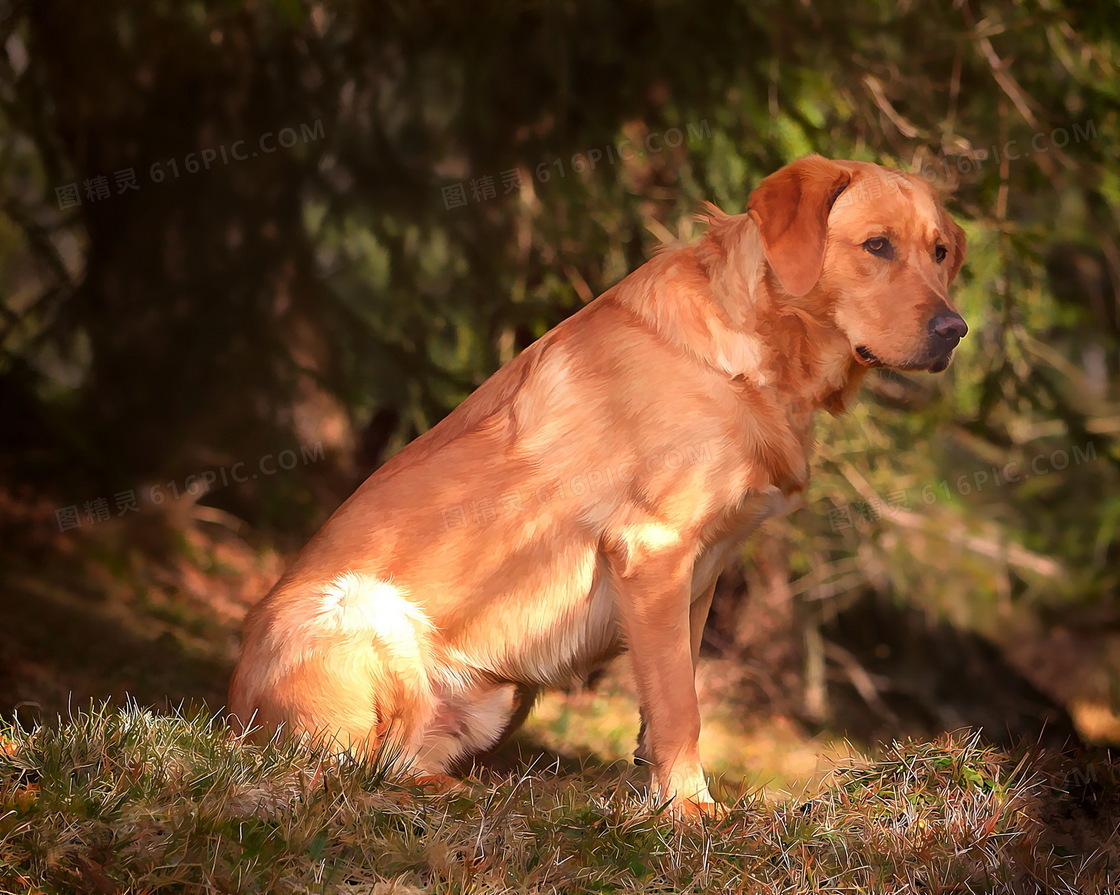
[[132, 801]]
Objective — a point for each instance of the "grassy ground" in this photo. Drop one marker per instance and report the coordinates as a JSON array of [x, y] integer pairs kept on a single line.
[[147, 800], [132, 801]]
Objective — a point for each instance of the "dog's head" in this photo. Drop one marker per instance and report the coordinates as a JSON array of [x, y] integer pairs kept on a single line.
[[871, 247]]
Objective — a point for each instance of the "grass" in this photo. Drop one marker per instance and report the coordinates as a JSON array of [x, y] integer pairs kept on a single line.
[[139, 801], [133, 801]]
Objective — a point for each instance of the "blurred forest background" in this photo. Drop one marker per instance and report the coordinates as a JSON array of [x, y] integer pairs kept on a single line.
[[249, 249]]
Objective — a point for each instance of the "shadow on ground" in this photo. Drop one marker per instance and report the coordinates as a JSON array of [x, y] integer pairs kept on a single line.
[[61, 648], [895, 672]]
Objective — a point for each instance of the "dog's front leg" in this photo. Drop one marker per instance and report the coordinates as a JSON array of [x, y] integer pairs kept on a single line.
[[654, 596]]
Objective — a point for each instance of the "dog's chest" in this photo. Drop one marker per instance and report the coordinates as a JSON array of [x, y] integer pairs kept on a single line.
[[733, 529], [560, 618]]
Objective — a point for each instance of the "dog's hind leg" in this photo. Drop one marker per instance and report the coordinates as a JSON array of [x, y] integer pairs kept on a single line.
[[346, 666]]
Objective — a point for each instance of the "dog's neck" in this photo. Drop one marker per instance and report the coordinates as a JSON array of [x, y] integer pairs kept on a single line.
[[738, 320]]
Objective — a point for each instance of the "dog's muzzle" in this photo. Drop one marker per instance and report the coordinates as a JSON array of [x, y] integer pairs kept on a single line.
[[945, 333]]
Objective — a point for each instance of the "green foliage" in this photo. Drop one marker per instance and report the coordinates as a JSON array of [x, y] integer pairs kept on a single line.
[[330, 291], [402, 303]]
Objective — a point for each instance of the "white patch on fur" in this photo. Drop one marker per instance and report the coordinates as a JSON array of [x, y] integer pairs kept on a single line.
[[357, 604], [641, 540], [649, 537], [684, 783]]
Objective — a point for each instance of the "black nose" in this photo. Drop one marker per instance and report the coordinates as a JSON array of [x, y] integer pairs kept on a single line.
[[950, 327]]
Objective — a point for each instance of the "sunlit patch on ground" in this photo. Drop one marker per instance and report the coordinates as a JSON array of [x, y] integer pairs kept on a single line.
[[1096, 721], [768, 755]]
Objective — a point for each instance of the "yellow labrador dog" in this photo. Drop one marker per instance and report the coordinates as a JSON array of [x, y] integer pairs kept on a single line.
[[583, 500]]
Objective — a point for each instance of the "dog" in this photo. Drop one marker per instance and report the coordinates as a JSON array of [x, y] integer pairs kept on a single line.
[[582, 501]]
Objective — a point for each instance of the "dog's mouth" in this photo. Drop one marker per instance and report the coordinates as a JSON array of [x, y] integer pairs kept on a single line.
[[869, 359]]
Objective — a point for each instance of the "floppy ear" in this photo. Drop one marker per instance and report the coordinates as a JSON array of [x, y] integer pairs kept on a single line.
[[957, 247], [791, 209]]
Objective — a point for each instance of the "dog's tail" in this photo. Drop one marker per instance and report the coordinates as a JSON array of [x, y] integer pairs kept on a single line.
[[346, 663]]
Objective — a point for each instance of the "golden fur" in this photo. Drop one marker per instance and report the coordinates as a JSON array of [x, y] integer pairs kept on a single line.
[[586, 496]]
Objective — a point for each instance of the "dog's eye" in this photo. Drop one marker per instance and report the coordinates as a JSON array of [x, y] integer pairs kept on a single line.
[[940, 253], [879, 245]]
